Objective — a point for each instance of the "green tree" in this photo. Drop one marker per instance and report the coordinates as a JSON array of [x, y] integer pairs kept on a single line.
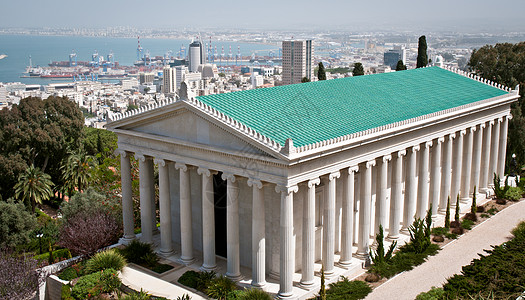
[[305, 79], [16, 224], [474, 206], [456, 215], [422, 58], [76, 170], [400, 66], [358, 70], [90, 202], [503, 64], [34, 186], [321, 73], [447, 214], [37, 132]]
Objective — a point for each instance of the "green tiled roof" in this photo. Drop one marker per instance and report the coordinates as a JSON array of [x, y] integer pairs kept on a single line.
[[316, 111]]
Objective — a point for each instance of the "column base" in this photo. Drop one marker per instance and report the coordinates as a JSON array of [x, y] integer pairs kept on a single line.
[[208, 268], [126, 240], [234, 277], [361, 255], [329, 274], [464, 200], [289, 295], [258, 285], [392, 237], [307, 284], [166, 253], [346, 264], [187, 260]]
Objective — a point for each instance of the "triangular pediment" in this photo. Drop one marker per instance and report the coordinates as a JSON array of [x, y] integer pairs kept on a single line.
[[182, 124]]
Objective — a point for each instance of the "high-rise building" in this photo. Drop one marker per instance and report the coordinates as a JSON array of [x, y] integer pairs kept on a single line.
[[196, 55], [297, 61], [180, 75], [169, 83], [391, 57], [146, 78]]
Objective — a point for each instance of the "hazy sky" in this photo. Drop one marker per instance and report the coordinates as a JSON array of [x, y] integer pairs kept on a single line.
[[507, 15]]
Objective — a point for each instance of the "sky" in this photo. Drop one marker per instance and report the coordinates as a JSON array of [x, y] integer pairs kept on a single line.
[[506, 15]]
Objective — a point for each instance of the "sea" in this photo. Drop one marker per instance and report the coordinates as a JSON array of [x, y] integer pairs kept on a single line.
[[45, 49]]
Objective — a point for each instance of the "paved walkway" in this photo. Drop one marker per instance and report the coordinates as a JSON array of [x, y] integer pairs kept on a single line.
[[452, 257], [138, 280]]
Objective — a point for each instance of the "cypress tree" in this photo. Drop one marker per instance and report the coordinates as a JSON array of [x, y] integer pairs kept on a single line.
[[322, 291], [456, 216], [474, 207], [321, 73], [447, 215], [358, 70], [400, 66], [422, 58]]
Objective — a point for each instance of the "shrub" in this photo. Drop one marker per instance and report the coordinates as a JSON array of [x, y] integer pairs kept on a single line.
[[435, 293], [150, 259], [513, 194], [142, 295], [470, 216], [454, 224], [346, 289], [204, 280], [519, 231], [480, 209], [457, 230], [94, 284], [250, 294], [66, 293], [108, 259], [91, 202], [419, 240], [380, 255], [498, 191], [19, 277], [467, 224], [501, 201], [72, 272], [443, 231], [492, 211], [16, 224], [485, 215], [189, 279], [220, 287], [136, 252], [60, 254], [184, 297], [85, 234]]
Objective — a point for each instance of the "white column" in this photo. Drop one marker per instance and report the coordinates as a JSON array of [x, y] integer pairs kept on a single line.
[[186, 241], [258, 234], [486, 176], [494, 151], [329, 226], [286, 267], [364, 210], [409, 210], [166, 247], [232, 228], [446, 170], [381, 216], [208, 220], [476, 160], [466, 171], [397, 194], [145, 186], [347, 237], [308, 253], [457, 158], [127, 193], [423, 184], [503, 147], [435, 175]]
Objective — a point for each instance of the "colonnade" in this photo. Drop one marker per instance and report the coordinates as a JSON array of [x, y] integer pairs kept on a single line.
[[449, 164]]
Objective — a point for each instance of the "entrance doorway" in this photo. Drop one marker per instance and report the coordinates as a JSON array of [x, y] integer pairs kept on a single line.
[[220, 201]]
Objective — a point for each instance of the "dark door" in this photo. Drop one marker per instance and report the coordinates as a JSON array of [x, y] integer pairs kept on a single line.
[[219, 188]]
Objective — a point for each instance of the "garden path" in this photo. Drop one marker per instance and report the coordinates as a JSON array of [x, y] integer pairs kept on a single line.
[[449, 260]]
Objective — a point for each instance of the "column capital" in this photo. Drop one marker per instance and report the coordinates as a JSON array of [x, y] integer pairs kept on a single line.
[[387, 158], [509, 117], [500, 119], [462, 132], [401, 153], [370, 163], [286, 189], [482, 125], [160, 161], [334, 175], [228, 177], [255, 182], [181, 166], [440, 140], [205, 171], [123, 153], [492, 122], [353, 169], [428, 144], [312, 182], [473, 129], [415, 148], [451, 136], [140, 157]]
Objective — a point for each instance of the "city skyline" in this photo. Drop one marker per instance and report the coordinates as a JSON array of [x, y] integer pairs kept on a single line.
[[452, 15]]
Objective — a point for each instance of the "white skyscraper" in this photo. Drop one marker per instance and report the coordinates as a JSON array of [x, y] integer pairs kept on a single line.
[[169, 83], [195, 56], [297, 61]]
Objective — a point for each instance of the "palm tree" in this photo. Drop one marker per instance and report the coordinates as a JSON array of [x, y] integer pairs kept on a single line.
[[76, 170], [33, 186]]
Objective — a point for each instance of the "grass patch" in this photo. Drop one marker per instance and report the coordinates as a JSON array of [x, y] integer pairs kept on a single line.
[[492, 211], [161, 268], [467, 224], [346, 289], [444, 232], [403, 261]]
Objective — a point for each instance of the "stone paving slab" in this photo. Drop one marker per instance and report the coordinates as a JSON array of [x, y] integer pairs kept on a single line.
[[453, 256]]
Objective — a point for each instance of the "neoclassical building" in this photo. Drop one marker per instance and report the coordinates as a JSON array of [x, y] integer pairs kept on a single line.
[[278, 179]]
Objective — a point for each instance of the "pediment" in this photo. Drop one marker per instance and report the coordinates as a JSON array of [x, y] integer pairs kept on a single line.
[[187, 126]]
